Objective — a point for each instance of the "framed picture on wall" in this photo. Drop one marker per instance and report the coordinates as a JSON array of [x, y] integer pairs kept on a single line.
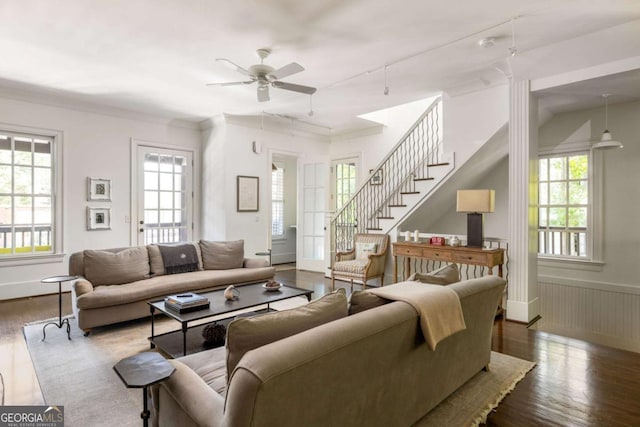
[[376, 178], [247, 193], [98, 218], [98, 189]]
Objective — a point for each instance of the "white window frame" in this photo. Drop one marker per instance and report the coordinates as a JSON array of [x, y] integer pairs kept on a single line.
[[57, 253], [593, 261], [274, 201]]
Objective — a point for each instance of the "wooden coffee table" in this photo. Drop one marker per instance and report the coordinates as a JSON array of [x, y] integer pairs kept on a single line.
[[192, 342]]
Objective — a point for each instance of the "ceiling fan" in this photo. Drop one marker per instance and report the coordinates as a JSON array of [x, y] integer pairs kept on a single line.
[[265, 75]]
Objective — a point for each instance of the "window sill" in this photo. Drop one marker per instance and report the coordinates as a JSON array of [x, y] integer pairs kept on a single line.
[[573, 264], [30, 259]]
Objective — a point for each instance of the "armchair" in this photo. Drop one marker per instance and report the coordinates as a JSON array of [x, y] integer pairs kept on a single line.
[[365, 261]]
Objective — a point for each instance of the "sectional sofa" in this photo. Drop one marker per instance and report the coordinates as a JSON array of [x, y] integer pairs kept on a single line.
[[319, 365], [116, 284]]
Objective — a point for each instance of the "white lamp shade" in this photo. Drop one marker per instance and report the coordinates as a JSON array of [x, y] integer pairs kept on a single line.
[[480, 201], [607, 142]]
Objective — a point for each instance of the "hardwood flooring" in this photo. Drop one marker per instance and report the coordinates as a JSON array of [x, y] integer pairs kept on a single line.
[[575, 383]]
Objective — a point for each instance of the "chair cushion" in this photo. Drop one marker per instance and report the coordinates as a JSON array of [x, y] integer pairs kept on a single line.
[[222, 255], [442, 276], [247, 333], [109, 268], [355, 266], [363, 250], [211, 367], [364, 300]]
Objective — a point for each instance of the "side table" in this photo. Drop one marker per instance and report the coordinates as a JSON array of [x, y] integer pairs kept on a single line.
[[141, 371], [265, 253], [61, 321]]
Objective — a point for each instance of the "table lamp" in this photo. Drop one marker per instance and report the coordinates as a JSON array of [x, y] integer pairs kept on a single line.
[[475, 203]]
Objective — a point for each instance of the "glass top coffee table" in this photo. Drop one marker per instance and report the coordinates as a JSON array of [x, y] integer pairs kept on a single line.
[[192, 342]]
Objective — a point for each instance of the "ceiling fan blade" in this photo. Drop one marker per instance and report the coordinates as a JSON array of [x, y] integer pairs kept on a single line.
[[296, 88], [263, 93], [233, 66], [285, 71], [248, 82]]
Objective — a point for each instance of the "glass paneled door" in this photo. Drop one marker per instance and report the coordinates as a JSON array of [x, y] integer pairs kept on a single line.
[[311, 243], [165, 195]]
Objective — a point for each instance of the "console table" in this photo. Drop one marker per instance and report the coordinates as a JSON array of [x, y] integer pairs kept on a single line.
[[454, 254]]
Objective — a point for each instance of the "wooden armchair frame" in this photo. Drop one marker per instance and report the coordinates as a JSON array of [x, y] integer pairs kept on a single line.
[[375, 263]]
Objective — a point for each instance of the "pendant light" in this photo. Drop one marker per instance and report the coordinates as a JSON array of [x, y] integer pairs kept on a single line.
[[606, 140]]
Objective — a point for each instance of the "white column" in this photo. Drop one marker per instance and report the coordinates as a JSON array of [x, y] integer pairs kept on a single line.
[[522, 299]]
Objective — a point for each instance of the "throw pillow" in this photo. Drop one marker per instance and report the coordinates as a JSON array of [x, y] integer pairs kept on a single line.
[[222, 255], [442, 276], [155, 259], [364, 300], [363, 250], [247, 333], [109, 268]]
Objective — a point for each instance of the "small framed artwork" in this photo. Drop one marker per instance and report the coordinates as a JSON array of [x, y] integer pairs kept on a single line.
[[98, 218], [376, 178], [248, 193], [99, 189]]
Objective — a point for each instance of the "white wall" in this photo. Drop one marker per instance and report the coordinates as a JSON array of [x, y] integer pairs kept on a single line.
[[372, 145], [95, 144], [228, 153]]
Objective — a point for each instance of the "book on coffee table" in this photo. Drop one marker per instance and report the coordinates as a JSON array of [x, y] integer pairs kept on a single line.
[[188, 299], [185, 309]]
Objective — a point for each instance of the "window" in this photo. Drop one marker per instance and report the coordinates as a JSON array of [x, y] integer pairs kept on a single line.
[[565, 206], [345, 182], [277, 201], [26, 194]]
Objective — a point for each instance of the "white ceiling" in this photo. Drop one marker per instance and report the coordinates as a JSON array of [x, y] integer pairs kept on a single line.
[[156, 57]]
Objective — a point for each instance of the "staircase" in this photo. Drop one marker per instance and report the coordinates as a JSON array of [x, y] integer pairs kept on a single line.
[[402, 180]]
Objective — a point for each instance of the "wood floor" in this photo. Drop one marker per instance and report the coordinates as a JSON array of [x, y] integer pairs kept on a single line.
[[575, 383]]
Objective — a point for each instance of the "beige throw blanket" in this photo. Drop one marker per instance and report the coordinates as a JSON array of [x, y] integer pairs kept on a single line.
[[438, 307]]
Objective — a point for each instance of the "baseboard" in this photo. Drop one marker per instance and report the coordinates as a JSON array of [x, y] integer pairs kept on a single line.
[[524, 312], [608, 340], [29, 289], [283, 258]]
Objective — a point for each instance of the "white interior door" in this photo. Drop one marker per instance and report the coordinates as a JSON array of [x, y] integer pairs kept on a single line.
[[313, 217], [165, 195]]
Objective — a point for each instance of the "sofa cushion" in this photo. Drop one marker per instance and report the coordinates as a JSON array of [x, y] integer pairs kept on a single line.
[[247, 333], [364, 300], [442, 276], [160, 286], [108, 268], [156, 263], [211, 367], [222, 255]]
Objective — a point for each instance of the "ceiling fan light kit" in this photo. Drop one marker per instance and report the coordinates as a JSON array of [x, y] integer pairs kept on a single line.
[[266, 76]]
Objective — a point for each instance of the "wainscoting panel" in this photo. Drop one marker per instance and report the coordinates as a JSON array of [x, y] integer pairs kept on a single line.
[[608, 314]]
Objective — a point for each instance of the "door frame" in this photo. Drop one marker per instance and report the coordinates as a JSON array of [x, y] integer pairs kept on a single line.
[[270, 156], [133, 190]]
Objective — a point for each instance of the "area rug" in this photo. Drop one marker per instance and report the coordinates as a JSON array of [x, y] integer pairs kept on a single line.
[[79, 375]]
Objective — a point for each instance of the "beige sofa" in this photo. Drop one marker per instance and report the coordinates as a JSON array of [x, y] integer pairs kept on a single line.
[[116, 284], [372, 368]]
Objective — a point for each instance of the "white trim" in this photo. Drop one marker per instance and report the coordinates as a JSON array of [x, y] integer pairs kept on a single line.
[[570, 263], [590, 284], [30, 259], [564, 148], [523, 311], [581, 334]]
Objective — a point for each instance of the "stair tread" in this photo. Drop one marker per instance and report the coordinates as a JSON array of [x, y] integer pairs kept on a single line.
[[423, 179], [409, 192], [397, 206], [375, 229], [385, 217], [438, 164]]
